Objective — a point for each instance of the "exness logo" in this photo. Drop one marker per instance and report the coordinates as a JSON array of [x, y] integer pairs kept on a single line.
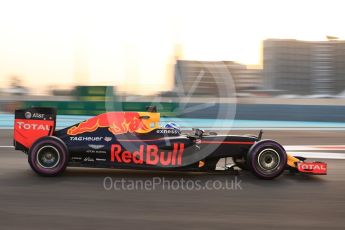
[[167, 131]]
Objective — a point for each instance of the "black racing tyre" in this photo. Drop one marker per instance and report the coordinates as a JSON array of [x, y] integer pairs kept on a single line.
[[267, 159], [240, 162], [48, 156]]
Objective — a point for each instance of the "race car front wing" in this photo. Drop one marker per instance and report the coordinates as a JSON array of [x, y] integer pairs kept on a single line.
[[315, 168]]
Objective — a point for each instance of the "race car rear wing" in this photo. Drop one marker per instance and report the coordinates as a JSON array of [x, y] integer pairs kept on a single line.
[[31, 124]]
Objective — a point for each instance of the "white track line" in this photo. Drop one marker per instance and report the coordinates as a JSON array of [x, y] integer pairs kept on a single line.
[[314, 147], [320, 155], [315, 151], [6, 146]]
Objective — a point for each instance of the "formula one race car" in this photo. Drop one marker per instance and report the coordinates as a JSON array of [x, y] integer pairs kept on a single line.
[[134, 140]]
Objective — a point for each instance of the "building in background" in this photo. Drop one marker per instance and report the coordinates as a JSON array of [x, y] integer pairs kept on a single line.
[[304, 67], [209, 78]]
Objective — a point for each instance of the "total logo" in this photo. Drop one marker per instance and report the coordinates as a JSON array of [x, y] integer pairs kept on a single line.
[[148, 154], [312, 166], [26, 126]]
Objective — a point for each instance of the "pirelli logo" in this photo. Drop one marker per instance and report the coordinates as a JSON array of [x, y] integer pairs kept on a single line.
[[148, 154]]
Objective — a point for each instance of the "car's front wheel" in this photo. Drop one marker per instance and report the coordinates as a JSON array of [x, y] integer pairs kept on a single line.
[[267, 159], [48, 156]]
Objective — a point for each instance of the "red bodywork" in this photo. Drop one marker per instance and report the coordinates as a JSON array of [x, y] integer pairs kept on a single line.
[[28, 131]]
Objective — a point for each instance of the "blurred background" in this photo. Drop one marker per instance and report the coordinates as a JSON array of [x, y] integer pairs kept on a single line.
[[273, 60], [221, 65]]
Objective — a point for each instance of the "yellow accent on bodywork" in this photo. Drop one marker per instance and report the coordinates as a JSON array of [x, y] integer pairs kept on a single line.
[[292, 160], [152, 121]]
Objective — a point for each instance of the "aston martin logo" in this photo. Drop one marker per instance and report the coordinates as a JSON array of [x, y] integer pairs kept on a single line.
[[107, 139], [96, 146]]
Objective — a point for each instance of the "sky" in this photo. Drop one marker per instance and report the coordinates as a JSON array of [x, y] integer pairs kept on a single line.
[[132, 44]]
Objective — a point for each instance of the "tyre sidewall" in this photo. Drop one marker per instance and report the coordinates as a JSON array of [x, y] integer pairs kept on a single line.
[[252, 158], [63, 153]]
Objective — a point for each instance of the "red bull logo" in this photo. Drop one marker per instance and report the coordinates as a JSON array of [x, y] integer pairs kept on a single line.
[[148, 154], [116, 122]]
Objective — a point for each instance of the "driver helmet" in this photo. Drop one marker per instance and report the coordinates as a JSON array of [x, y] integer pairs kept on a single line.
[[173, 125]]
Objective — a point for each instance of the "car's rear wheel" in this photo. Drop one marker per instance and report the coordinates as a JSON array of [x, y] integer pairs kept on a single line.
[[48, 156], [267, 159]]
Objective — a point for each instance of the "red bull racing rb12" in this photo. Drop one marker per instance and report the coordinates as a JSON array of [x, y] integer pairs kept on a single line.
[[134, 140]]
